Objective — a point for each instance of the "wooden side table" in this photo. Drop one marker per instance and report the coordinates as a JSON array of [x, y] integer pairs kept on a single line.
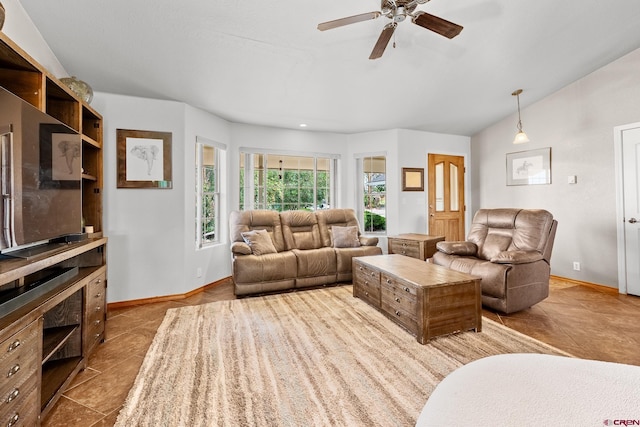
[[421, 246]]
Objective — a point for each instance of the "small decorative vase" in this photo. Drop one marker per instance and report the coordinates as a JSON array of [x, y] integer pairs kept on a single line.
[[1, 16], [80, 88]]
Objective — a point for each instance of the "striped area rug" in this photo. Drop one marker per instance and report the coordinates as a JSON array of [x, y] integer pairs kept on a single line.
[[310, 358]]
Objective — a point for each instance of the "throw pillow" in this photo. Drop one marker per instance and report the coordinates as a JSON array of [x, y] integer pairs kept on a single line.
[[259, 241], [345, 237]]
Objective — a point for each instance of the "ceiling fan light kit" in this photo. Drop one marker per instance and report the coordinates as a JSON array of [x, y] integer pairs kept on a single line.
[[521, 137], [397, 11]]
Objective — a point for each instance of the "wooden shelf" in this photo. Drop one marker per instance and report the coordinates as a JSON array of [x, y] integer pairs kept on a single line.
[[54, 374], [55, 338], [91, 141], [89, 177]]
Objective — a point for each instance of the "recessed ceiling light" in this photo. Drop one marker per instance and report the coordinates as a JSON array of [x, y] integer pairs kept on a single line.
[[303, 125]]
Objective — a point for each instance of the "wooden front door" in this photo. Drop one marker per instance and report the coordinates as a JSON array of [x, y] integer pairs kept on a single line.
[[446, 196]]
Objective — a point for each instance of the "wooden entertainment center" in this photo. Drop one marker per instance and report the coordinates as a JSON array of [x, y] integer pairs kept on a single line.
[[47, 337]]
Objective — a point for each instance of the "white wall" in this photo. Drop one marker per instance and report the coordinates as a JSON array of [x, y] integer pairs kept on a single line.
[[20, 28], [577, 123], [151, 249], [406, 211]]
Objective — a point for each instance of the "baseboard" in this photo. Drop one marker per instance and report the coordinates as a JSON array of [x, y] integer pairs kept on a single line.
[[583, 283], [174, 297]]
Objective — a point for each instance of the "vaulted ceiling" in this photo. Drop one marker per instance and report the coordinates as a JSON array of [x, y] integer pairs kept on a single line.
[[266, 63]]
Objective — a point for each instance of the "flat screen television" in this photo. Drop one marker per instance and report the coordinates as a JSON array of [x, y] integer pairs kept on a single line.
[[41, 172]]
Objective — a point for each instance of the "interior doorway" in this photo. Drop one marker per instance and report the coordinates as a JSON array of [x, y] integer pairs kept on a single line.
[[627, 149], [446, 208]]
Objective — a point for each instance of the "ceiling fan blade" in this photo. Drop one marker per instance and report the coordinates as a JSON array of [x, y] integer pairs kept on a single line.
[[348, 20], [383, 40], [436, 24]]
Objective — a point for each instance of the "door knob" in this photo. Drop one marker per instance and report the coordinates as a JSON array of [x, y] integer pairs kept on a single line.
[[633, 220]]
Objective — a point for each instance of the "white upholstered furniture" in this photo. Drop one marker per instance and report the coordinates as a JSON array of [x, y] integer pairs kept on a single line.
[[535, 390]]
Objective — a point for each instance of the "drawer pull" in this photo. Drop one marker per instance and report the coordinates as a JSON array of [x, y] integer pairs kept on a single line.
[[96, 322], [366, 283], [99, 281], [98, 308], [373, 274], [366, 293], [13, 420], [360, 268], [15, 393], [404, 252], [14, 370], [96, 336], [397, 313], [397, 299], [406, 289], [389, 281], [13, 346], [99, 294]]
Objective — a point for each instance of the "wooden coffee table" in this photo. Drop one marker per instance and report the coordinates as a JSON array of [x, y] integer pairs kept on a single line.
[[426, 299]]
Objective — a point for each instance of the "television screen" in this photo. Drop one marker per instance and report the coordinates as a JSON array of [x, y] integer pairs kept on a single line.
[[41, 176]]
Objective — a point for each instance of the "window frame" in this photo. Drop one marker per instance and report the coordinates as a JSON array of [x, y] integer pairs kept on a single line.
[[247, 169], [201, 240], [360, 191]]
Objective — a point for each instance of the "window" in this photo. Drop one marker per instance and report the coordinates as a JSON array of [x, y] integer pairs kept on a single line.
[[372, 210], [286, 182], [207, 194]]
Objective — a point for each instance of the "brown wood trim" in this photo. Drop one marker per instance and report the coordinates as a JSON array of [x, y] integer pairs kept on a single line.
[[143, 301], [589, 284]]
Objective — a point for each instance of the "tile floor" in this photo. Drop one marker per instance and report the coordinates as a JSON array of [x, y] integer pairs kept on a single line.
[[587, 321]]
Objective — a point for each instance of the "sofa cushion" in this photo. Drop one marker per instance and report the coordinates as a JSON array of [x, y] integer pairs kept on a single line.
[[316, 262], [345, 237], [457, 248], [259, 241], [300, 230], [265, 268], [242, 221]]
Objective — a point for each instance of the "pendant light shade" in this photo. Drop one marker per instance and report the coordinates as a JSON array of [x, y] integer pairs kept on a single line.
[[521, 137]]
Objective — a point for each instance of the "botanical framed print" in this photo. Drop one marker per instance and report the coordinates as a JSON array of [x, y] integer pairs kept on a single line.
[[412, 179], [144, 159], [532, 167]]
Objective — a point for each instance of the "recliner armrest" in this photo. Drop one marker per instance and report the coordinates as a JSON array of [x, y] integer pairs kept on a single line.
[[516, 257], [240, 248], [457, 248], [368, 241]]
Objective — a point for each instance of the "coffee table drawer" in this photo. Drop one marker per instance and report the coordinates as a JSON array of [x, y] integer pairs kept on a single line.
[[364, 273], [401, 316], [399, 286], [367, 292]]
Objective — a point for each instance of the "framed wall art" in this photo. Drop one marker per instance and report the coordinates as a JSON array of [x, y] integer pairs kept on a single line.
[[531, 167], [412, 179], [60, 157], [144, 159]]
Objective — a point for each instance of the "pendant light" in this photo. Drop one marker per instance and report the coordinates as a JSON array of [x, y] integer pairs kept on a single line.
[[521, 137]]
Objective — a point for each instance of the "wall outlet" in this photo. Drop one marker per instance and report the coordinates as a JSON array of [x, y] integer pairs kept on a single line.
[[199, 272], [576, 265]]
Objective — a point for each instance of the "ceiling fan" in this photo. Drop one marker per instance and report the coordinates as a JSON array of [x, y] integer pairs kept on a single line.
[[397, 11]]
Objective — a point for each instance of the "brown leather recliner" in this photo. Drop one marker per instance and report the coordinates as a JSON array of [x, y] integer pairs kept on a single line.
[[510, 249]]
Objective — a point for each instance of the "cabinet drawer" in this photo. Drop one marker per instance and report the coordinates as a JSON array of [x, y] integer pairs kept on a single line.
[[369, 293], [399, 299], [365, 273], [23, 410], [399, 286], [20, 360], [401, 316], [410, 248]]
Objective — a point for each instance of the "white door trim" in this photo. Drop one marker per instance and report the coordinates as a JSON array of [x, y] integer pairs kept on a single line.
[[617, 141]]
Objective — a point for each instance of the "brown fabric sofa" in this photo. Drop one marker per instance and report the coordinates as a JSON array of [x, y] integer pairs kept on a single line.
[[510, 249], [304, 251]]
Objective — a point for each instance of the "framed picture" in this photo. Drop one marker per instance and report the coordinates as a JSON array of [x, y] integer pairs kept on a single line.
[[412, 179], [531, 167], [144, 159], [60, 157]]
